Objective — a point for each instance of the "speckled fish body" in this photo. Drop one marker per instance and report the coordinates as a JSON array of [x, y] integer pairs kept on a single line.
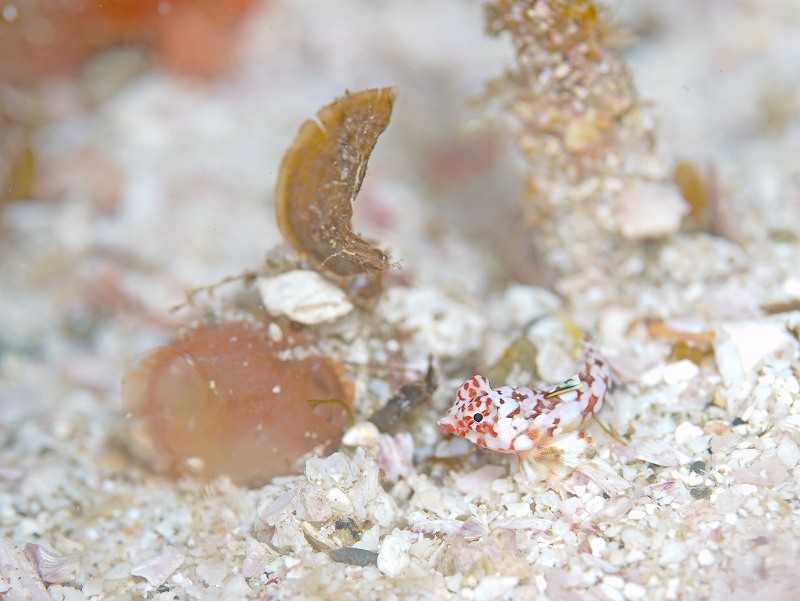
[[516, 419]]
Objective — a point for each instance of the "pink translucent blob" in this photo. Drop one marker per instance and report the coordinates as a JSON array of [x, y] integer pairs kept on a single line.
[[220, 401]]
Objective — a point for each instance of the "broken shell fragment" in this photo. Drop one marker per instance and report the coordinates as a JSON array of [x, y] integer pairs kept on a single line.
[[303, 296], [255, 560], [52, 567], [321, 176], [157, 569], [223, 400]]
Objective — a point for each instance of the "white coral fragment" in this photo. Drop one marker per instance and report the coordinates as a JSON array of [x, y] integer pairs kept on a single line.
[[52, 567], [157, 569], [303, 296], [393, 558]]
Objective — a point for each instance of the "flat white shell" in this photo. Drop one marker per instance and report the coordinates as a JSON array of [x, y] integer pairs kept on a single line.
[[52, 567], [303, 296], [157, 569]]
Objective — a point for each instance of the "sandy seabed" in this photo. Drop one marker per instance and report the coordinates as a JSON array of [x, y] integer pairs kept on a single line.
[[166, 185]]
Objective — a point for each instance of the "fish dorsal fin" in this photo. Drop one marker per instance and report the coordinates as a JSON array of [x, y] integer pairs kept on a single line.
[[474, 387]]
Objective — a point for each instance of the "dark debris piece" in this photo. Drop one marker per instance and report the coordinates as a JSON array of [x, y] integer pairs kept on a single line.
[[354, 557], [700, 492], [698, 467], [350, 526], [407, 398]]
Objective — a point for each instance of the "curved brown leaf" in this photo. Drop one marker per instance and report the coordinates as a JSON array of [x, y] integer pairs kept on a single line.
[[321, 175]]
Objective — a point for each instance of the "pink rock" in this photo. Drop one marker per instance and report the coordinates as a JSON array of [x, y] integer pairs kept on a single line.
[[649, 210]]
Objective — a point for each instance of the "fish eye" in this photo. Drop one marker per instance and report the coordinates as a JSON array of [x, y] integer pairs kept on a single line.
[[478, 417]]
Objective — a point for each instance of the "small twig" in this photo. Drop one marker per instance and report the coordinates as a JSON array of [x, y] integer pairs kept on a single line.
[[247, 277]]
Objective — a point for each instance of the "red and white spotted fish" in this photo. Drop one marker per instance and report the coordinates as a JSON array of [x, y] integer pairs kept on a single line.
[[543, 427]]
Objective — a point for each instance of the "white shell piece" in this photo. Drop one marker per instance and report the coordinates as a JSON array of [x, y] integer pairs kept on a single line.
[[303, 296], [157, 569]]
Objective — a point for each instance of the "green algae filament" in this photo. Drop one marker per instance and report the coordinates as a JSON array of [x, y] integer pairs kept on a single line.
[[222, 399]]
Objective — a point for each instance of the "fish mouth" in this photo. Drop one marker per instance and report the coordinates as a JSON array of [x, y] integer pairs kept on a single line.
[[446, 426]]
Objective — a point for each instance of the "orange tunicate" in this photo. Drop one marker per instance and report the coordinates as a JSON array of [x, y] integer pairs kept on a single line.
[[43, 38], [222, 399]]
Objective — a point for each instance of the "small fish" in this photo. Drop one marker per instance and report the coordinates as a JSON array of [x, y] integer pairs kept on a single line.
[[541, 426]]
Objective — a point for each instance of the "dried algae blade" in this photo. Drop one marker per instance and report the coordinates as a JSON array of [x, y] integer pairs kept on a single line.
[[321, 176]]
